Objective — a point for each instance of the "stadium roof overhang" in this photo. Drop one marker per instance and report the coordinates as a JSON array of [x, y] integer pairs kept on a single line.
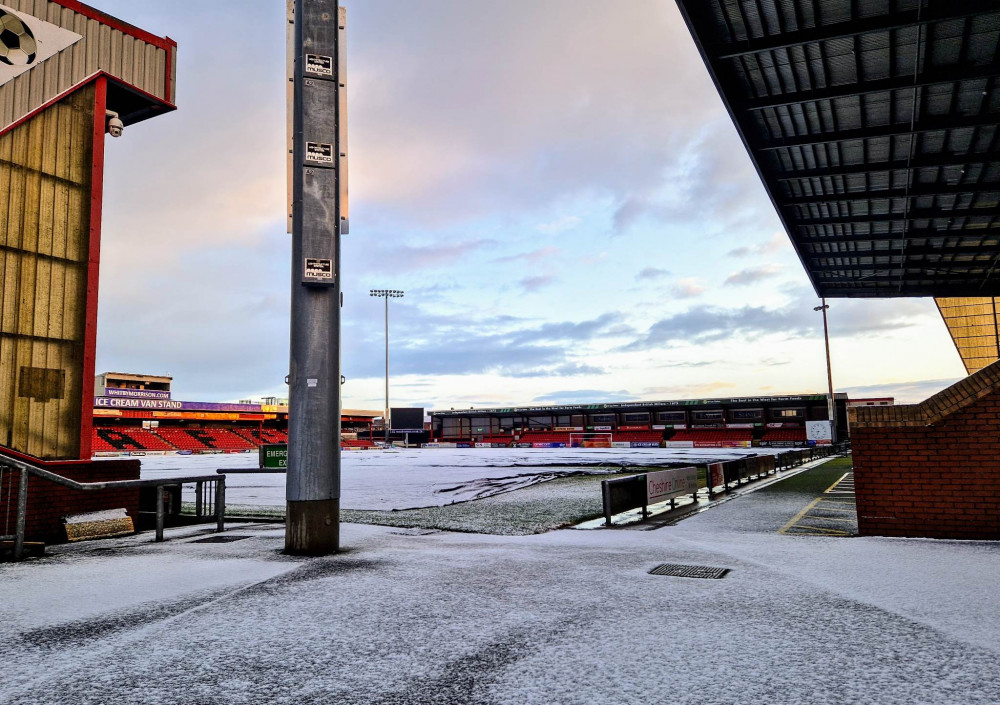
[[874, 127]]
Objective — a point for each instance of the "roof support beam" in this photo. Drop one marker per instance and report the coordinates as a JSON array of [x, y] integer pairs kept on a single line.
[[950, 74], [919, 267], [935, 124], [914, 214], [915, 192], [929, 161], [913, 273], [858, 26], [976, 235], [911, 251]]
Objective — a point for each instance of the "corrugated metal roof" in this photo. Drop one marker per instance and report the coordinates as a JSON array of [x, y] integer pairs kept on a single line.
[[141, 66], [874, 126]]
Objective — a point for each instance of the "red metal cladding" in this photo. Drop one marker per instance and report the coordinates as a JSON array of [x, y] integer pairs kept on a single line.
[[164, 43]]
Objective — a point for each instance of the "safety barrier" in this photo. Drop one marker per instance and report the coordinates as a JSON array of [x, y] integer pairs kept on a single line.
[[27, 470], [641, 491]]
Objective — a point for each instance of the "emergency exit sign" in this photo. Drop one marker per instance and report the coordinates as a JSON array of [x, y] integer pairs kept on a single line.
[[274, 457]]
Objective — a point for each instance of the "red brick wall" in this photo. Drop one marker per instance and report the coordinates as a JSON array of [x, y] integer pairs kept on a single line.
[[48, 503], [938, 481]]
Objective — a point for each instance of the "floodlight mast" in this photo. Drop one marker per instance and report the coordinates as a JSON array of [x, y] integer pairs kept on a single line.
[[386, 294], [831, 404], [319, 207]]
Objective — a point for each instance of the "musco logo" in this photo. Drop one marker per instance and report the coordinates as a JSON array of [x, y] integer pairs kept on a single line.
[[319, 65], [319, 152], [319, 268]]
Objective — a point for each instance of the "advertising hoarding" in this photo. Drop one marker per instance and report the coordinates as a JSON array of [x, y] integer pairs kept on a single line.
[[172, 405], [135, 393], [668, 484]]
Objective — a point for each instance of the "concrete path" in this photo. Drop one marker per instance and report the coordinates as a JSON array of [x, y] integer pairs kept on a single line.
[[411, 616]]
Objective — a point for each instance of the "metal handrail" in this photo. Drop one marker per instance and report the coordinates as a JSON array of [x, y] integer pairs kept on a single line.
[[27, 469]]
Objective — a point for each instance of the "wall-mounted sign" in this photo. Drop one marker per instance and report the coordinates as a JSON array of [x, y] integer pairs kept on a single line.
[[26, 41], [319, 65], [319, 268], [820, 432], [136, 393], [319, 152]]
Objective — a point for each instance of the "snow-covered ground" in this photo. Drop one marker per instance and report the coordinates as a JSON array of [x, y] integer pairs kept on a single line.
[[569, 617], [403, 479]]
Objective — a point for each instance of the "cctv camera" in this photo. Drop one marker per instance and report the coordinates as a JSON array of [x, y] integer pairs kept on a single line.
[[115, 126]]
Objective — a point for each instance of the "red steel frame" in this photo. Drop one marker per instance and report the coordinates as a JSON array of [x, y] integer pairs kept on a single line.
[[115, 23], [93, 268]]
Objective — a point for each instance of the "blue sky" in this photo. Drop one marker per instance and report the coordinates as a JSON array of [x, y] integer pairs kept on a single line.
[[555, 185]]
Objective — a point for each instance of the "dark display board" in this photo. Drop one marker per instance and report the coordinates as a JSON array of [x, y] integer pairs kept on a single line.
[[406, 419]]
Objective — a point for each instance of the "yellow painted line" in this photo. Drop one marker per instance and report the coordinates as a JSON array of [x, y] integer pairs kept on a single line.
[[822, 529], [830, 509], [799, 516], [814, 516], [809, 531], [837, 482]]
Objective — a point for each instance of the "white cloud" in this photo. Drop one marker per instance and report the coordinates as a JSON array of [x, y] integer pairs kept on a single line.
[[688, 288], [560, 225], [752, 275]]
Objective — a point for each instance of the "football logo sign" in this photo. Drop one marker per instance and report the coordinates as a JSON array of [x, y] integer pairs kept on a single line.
[[17, 42], [26, 41]]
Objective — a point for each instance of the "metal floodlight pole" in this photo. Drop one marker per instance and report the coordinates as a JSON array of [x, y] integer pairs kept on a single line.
[[319, 217], [831, 405], [386, 294]]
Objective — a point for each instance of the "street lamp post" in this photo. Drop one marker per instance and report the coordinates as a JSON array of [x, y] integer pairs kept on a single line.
[[831, 406], [386, 294]]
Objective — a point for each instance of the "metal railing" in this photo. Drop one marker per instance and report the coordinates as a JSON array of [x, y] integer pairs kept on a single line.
[[26, 470], [628, 493]]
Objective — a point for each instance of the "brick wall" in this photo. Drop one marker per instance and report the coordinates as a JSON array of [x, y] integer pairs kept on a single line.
[[49, 503], [931, 469]]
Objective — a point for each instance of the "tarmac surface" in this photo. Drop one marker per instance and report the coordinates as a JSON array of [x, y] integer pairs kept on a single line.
[[418, 615]]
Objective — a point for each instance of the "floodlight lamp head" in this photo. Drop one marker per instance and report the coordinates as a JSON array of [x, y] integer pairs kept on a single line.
[[821, 308]]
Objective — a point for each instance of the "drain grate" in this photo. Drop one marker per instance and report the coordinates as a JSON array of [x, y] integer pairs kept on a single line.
[[689, 571], [225, 538]]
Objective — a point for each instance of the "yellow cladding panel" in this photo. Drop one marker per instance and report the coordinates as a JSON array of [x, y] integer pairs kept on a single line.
[[45, 186], [975, 329]]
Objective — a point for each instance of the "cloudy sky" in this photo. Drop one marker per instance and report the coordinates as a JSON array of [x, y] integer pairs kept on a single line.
[[554, 183]]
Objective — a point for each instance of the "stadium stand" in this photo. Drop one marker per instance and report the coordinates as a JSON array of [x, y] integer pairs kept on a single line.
[[716, 437], [100, 444], [267, 435], [224, 439], [183, 439], [793, 435], [109, 439], [497, 439], [638, 436], [544, 437]]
